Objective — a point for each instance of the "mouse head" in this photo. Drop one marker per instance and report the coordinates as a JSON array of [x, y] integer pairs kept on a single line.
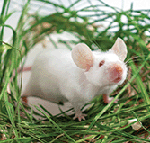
[[102, 68]]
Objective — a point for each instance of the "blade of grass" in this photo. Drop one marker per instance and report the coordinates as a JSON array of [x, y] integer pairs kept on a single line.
[[123, 89], [141, 85], [55, 124]]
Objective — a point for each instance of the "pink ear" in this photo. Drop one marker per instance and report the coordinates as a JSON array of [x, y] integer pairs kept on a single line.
[[120, 49], [82, 56]]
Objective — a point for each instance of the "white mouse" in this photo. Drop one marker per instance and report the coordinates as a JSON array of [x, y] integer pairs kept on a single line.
[[77, 76]]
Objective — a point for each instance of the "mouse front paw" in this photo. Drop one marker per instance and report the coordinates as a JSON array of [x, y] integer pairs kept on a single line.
[[79, 115], [108, 99]]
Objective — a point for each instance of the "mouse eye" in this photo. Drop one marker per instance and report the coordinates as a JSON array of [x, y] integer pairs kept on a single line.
[[101, 63]]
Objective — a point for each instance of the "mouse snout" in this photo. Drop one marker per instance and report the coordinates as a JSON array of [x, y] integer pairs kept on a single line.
[[116, 72]]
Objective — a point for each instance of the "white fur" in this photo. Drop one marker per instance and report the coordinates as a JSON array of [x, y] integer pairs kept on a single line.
[[55, 77]]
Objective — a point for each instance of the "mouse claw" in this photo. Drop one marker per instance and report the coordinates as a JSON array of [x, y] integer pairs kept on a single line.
[[79, 115]]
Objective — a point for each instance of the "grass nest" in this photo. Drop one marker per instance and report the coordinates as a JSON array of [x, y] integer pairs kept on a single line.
[[127, 121]]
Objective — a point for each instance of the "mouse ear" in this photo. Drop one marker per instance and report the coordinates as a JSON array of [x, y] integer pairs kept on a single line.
[[82, 56], [120, 49]]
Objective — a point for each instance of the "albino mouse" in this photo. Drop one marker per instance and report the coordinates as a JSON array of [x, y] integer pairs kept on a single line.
[[77, 76]]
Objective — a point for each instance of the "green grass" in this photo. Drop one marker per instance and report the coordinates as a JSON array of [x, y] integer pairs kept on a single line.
[[104, 122]]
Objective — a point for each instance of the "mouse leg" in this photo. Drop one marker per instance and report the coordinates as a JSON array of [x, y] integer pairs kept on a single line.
[[77, 102], [79, 115], [25, 99], [108, 99]]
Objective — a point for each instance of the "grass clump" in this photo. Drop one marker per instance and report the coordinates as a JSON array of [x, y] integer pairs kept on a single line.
[[104, 123]]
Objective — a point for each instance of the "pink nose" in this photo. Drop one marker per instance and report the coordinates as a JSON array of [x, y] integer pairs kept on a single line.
[[115, 73]]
